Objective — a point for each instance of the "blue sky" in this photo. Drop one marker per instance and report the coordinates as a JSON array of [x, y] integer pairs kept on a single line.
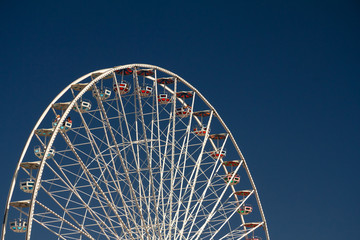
[[283, 75]]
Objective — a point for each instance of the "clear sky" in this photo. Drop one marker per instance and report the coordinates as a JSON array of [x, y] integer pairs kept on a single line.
[[284, 76]]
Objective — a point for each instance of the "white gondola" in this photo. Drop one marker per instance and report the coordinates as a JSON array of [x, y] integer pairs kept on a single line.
[[218, 154], [103, 94], [123, 86], [18, 225], [145, 91], [183, 111], [84, 106], [39, 152], [27, 185], [163, 99]]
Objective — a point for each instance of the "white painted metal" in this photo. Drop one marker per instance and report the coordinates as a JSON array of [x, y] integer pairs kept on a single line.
[[130, 168]]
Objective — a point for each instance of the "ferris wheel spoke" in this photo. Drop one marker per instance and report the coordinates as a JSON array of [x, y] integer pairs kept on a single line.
[[203, 209], [138, 169], [73, 190], [97, 152], [157, 120], [169, 202], [177, 168], [95, 185], [94, 137], [66, 211], [192, 165], [117, 182], [162, 162], [149, 159], [94, 145], [183, 199], [107, 125], [49, 229], [134, 155], [123, 163], [201, 171], [215, 171], [209, 180], [234, 212], [103, 203], [76, 229], [193, 180], [106, 215], [40, 140], [215, 207]]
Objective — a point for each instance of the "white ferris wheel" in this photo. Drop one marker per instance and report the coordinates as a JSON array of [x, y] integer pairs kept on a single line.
[[132, 152]]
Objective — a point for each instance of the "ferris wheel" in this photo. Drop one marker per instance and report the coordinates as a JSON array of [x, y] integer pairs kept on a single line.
[[132, 152]]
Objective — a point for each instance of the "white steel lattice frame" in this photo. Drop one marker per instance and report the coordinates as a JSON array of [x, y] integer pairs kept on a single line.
[[132, 169]]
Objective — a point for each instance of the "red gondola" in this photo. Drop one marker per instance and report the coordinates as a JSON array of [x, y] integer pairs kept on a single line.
[[245, 209], [218, 154], [234, 181], [200, 131], [124, 87], [145, 91], [183, 111], [163, 99]]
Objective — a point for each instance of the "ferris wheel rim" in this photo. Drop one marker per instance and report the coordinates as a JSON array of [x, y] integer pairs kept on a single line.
[[103, 73]]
